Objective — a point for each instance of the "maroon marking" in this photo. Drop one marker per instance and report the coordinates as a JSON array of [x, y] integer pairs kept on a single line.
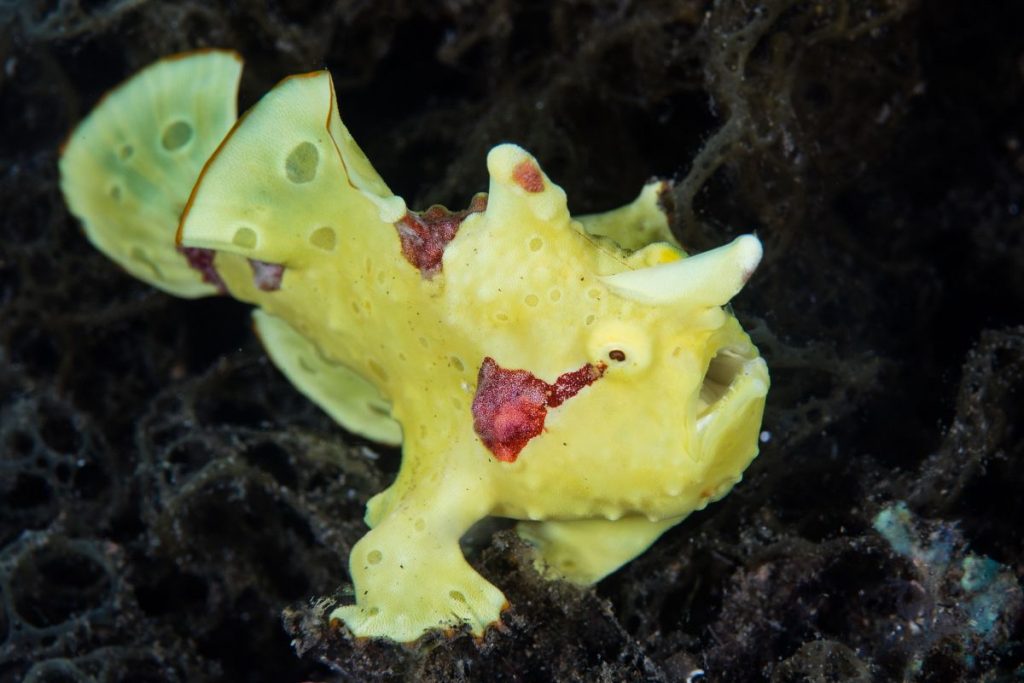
[[202, 260], [425, 234], [508, 409], [569, 384], [266, 276], [510, 406], [527, 176]]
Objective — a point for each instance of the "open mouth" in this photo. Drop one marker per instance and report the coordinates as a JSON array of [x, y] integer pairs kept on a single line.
[[731, 368]]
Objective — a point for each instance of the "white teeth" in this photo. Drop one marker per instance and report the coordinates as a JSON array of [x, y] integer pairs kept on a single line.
[[705, 280]]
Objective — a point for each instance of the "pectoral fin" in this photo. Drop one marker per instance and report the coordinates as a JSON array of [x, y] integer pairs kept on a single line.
[[344, 395]]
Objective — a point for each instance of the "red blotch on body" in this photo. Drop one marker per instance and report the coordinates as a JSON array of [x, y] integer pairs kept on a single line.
[[508, 409], [424, 235], [528, 176], [202, 260], [510, 406]]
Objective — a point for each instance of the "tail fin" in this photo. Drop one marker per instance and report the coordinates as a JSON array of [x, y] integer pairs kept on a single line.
[[128, 168]]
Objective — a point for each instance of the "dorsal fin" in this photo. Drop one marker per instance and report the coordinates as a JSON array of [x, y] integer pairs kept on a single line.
[[284, 178]]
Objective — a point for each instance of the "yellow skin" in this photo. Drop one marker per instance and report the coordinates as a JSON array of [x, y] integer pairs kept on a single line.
[[667, 421]]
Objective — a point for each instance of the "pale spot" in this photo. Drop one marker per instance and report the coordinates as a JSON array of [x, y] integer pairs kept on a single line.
[[421, 524], [176, 135], [323, 238], [302, 163], [457, 596], [531, 300], [457, 363], [536, 244], [245, 238], [555, 294], [589, 320], [374, 557]]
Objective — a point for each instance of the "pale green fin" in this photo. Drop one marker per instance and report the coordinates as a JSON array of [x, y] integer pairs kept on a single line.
[[345, 396], [128, 168]]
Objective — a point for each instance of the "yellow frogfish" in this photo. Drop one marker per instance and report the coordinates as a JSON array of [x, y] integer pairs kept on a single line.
[[582, 375]]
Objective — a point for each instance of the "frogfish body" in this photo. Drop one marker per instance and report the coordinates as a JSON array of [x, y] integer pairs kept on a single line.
[[578, 374]]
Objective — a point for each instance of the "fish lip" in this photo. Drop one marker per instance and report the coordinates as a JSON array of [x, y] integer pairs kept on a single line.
[[747, 376]]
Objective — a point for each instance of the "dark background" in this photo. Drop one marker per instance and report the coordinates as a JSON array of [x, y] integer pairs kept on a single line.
[[165, 495]]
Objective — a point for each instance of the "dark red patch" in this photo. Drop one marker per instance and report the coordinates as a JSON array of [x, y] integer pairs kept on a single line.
[[508, 409], [266, 276], [202, 260], [425, 234], [527, 176], [510, 406], [570, 383]]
